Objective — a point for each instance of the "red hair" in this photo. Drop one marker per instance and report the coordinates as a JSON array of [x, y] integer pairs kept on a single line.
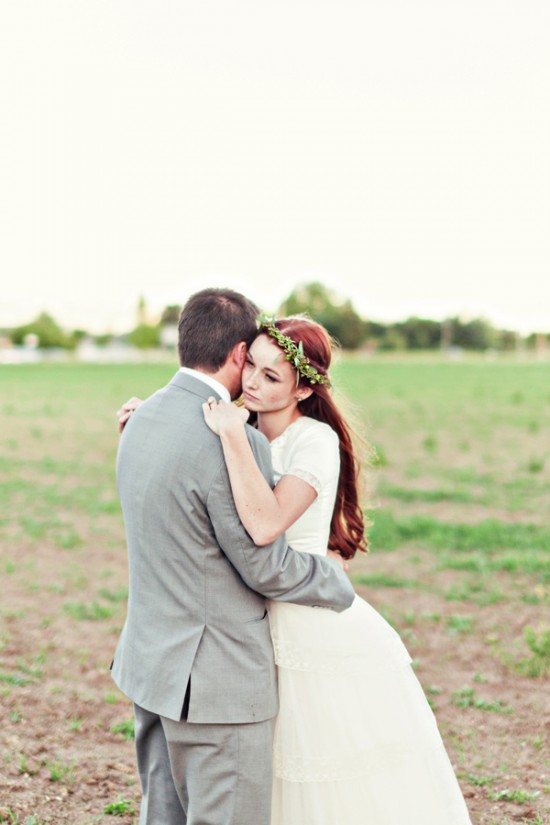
[[347, 529]]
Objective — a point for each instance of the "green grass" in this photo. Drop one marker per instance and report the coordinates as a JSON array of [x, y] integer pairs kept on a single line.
[[122, 807], [466, 698], [462, 476], [517, 796], [383, 580], [475, 592], [460, 624], [411, 494], [75, 724], [61, 772], [538, 663], [390, 532], [126, 729], [475, 779], [119, 595], [15, 679], [88, 612]]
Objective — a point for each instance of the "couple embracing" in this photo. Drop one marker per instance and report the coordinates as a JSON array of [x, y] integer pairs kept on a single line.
[[252, 707]]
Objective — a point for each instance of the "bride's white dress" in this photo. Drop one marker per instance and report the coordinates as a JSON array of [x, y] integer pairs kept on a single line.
[[356, 742]]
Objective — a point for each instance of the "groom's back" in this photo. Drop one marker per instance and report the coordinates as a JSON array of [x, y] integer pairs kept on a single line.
[[188, 609]]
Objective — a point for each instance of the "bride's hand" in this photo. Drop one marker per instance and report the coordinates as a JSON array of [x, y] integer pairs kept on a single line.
[[222, 417], [126, 411]]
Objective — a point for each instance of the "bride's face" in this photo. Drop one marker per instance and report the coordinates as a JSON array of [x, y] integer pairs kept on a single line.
[[269, 382]]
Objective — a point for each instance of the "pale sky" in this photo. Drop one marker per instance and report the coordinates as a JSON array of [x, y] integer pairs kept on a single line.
[[397, 151]]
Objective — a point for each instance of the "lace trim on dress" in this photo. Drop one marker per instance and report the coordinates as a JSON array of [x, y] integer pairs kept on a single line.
[[309, 478], [293, 768], [292, 657]]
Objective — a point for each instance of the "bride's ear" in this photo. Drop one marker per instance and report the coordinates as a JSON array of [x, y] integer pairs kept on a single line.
[[302, 393]]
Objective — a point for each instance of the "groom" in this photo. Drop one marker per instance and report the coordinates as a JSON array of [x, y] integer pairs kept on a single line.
[[195, 653]]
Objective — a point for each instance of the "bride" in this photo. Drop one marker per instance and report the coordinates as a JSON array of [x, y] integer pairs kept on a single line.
[[355, 740]]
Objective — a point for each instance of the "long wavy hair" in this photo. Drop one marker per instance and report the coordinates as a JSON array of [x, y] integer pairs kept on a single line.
[[347, 529]]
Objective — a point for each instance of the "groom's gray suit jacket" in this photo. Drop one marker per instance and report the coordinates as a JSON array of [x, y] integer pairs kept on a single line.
[[198, 583]]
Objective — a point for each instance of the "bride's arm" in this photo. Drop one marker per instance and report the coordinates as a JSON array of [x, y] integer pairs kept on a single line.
[[265, 513]]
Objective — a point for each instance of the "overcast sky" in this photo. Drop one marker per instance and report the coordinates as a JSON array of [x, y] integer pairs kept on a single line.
[[397, 151]]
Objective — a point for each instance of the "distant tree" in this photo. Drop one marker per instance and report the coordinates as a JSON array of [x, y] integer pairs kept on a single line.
[[420, 333], [49, 333], [477, 334], [337, 315], [392, 339], [375, 330], [103, 339], [507, 340], [170, 315], [79, 334], [145, 336], [313, 298]]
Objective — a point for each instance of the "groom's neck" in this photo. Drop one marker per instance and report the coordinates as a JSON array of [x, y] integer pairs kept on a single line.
[[223, 376]]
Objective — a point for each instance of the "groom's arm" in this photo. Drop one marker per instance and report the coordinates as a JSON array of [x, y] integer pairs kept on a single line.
[[276, 570]]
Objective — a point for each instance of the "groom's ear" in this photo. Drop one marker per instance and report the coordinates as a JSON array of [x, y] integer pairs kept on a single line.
[[238, 354]]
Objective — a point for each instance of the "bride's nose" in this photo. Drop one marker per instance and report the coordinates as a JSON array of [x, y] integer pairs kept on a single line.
[[252, 378]]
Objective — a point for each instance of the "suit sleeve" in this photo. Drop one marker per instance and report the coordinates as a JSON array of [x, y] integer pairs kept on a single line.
[[276, 571]]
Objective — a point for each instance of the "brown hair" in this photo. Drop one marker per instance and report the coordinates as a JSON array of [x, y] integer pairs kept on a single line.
[[211, 323], [347, 529]]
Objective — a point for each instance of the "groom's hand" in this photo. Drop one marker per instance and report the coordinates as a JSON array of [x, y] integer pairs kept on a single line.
[[332, 554]]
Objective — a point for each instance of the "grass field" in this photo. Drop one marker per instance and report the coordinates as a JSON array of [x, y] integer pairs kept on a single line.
[[459, 497]]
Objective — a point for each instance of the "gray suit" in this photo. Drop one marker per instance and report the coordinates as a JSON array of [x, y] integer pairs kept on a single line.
[[196, 613]]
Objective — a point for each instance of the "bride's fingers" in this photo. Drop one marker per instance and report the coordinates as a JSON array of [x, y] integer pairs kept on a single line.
[[209, 406], [129, 406], [122, 421]]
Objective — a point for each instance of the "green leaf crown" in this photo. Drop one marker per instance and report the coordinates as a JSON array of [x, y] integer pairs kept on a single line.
[[294, 352]]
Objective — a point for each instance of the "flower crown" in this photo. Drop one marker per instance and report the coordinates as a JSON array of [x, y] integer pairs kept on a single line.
[[294, 353]]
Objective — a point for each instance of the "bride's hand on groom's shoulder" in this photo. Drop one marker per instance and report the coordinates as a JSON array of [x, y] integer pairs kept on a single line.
[[124, 413], [223, 418]]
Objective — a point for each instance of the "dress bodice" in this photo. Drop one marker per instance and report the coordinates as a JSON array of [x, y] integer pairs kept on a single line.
[[309, 449]]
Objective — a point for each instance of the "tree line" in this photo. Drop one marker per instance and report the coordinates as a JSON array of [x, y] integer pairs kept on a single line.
[[339, 317]]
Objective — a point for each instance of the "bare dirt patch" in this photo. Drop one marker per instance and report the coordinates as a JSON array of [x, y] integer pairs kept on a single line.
[[63, 570], [61, 762]]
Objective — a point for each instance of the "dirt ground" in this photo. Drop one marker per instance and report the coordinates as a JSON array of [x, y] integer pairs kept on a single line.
[[64, 578], [61, 762]]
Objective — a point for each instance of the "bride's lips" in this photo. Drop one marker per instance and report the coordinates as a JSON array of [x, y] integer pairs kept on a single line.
[[249, 395]]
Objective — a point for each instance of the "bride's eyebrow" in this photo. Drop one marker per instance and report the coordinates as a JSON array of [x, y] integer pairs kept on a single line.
[[271, 371]]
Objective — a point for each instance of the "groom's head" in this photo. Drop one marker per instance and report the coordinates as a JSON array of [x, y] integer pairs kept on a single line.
[[212, 324]]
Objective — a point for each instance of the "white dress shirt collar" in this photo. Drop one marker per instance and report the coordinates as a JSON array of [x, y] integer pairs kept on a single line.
[[222, 391]]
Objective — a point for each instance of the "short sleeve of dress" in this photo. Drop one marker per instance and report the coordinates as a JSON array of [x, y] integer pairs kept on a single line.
[[314, 455]]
